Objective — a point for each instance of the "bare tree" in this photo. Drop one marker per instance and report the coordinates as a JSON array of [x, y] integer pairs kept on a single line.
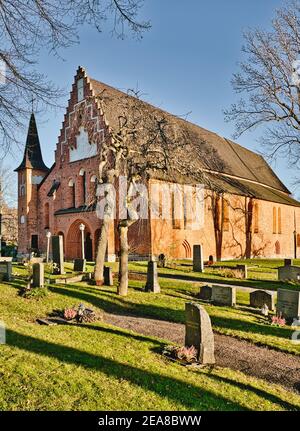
[[28, 26], [269, 82]]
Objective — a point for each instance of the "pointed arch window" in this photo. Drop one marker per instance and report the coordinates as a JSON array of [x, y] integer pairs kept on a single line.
[[225, 215]]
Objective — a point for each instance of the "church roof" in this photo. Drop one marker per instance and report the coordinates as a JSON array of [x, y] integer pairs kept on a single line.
[[229, 158], [32, 153]]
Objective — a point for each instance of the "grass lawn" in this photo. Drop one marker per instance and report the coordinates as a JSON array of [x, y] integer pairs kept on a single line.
[[98, 366]]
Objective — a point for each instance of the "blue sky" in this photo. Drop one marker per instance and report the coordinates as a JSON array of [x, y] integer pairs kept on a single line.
[[184, 64]]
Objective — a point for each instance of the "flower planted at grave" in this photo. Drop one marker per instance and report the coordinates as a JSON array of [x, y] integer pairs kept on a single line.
[[70, 313], [183, 354], [278, 320]]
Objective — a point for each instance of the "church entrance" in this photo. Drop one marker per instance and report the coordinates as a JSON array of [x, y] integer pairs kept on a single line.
[[73, 244]]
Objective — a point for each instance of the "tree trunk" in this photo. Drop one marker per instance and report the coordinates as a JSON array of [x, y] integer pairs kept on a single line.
[[123, 263], [101, 251]]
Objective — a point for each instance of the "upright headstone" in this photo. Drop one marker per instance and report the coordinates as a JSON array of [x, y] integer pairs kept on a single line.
[[198, 264], [6, 270], [161, 261], [287, 262], [198, 332], [224, 295], [243, 269], [38, 275], [259, 298], [152, 284], [108, 276], [288, 304], [79, 265], [289, 272], [205, 293], [58, 254]]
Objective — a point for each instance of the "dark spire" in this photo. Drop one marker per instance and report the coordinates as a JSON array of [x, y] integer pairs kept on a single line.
[[32, 154]]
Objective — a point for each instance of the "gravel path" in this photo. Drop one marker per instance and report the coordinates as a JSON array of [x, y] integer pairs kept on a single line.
[[270, 365]]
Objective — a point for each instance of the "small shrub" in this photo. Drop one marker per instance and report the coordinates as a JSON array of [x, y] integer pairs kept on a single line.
[[35, 293], [228, 273]]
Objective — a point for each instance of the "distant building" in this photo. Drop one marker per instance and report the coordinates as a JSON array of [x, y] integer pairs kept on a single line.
[[255, 214]]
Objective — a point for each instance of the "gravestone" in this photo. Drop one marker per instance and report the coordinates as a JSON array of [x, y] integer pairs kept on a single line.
[[79, 265], [198, 264], [108, 276], [6, 269], [205, 293], [258, 298], [198, 332], [288, 303], [58, 254], [152, 284], [289, 272], [243, 269], [224, 295], [38, 275], [287, 262]]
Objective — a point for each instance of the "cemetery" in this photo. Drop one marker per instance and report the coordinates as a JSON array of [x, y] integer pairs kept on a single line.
[[80, 335]]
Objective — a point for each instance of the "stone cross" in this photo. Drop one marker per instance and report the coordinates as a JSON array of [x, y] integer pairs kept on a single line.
[[198, 264], [152, 284], [38, 275], [58, 254], [198, 332]]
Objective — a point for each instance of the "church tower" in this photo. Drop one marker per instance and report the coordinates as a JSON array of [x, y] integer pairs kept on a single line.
[[31, 172]]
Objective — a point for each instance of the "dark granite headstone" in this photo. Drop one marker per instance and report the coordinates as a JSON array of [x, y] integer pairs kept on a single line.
[[287, 262], [58, 254], [198, 332], [152, 284], [38, 275], [288, 304], [108, 276], [6, 270], [205, 293], [198, 264], [224, 295], [79, 265], [258, 298]]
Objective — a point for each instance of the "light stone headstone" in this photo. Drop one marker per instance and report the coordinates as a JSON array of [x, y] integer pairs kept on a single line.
[[58, 254], [38, 275], [288, 303], [198, 264], [243, 269], [108, 276], [224, 295], [198, 332], [152, 284], [205, 293], [6, 270], [79, 265], [258, 298]]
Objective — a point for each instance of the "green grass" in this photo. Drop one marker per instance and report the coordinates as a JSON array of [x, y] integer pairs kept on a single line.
[[101, 367]]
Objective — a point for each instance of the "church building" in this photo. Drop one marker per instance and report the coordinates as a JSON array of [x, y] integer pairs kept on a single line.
[[252, 213]]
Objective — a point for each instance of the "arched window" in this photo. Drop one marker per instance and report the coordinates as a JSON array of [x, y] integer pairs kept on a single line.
[[83, 197], [277, 247], [298, 239], [46, 216], [278, 220], [225, 215], [255, 217], [72, 192], [274, 220]]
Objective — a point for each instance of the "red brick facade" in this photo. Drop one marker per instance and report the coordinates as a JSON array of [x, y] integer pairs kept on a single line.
[[64, 199]]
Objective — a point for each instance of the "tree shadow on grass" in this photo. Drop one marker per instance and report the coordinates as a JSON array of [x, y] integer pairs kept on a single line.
[[260, 392], [187, 394]]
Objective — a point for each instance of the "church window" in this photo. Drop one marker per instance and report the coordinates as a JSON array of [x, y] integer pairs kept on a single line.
[[274, 220], [46, 215], [175, 208], [225, 215], [82, 174], [80, 90], [22, 219], [255, 217], [279, 220], [298, 239], [73, 195], [22, 190]]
